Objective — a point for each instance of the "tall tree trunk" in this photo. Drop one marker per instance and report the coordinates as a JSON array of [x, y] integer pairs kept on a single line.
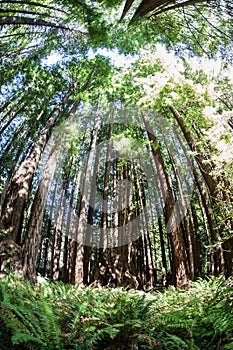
[[211, 183], [163, 252], [13, 209], [10, 120], [197, 251], [179, 257], [78, 239], [8, 179], [33, 233], [17, 195], [227, 246], [141, 278], [147, 242], [205, 168], [206, 200], [105, 271], [87, 242], [47, 244], [22, 133], [58, 229], [184, 212], [68, 269]]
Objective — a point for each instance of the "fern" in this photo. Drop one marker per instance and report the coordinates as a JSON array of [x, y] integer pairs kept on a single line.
[[29, 317], [59, 316], [19, 338], [229, 346]]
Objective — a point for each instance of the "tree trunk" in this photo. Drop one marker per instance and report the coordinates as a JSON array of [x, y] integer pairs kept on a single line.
[[33, 233], [179, 257], [58, 230], [79, 235], [184, 212], [204, 167], [227, 246], [87, 248], [67, 269], [149, 266], [212, 185], [17, 195], [15, 20], [197, 251], [4, 127]]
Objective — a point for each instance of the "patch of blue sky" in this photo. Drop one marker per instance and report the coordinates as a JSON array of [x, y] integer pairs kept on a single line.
[[117, 59], [52, 59]]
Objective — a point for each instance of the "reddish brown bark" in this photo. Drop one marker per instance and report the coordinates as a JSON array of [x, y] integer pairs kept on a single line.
[[179, 257], [17, 195]]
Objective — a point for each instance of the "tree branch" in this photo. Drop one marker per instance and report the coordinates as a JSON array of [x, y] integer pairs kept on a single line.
[[183, 4], [7, 20]]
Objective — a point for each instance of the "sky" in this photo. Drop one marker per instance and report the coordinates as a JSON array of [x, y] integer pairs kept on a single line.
[[117, 59], [173, 63]]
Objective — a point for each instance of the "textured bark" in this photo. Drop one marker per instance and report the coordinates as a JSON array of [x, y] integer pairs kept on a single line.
[[33, 233], [8, 180], [184, 212], [56, 253], [205, 168], [149, 267], [183, 206], [206, 199], [64, 271], [215, 194], [72, 262], [197, 250], [163, 252], [67, 249], [22, 133], [179, 271], [17, 195], [105, 192], [117, 266], [44, 269], [68, 268], [121, 265], [227, 246], [87, 242], [139, 242], [58, 230], [147, 6], [104, 251], [154, 244], [80, 230]]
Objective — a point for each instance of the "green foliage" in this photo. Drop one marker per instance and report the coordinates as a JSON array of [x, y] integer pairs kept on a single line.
[[30, 320], [59, 316], [3, 234]]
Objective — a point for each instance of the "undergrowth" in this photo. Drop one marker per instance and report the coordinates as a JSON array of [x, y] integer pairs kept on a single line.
[[59, 316]]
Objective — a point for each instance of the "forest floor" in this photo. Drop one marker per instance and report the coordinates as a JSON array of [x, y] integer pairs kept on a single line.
[[54, 315]]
